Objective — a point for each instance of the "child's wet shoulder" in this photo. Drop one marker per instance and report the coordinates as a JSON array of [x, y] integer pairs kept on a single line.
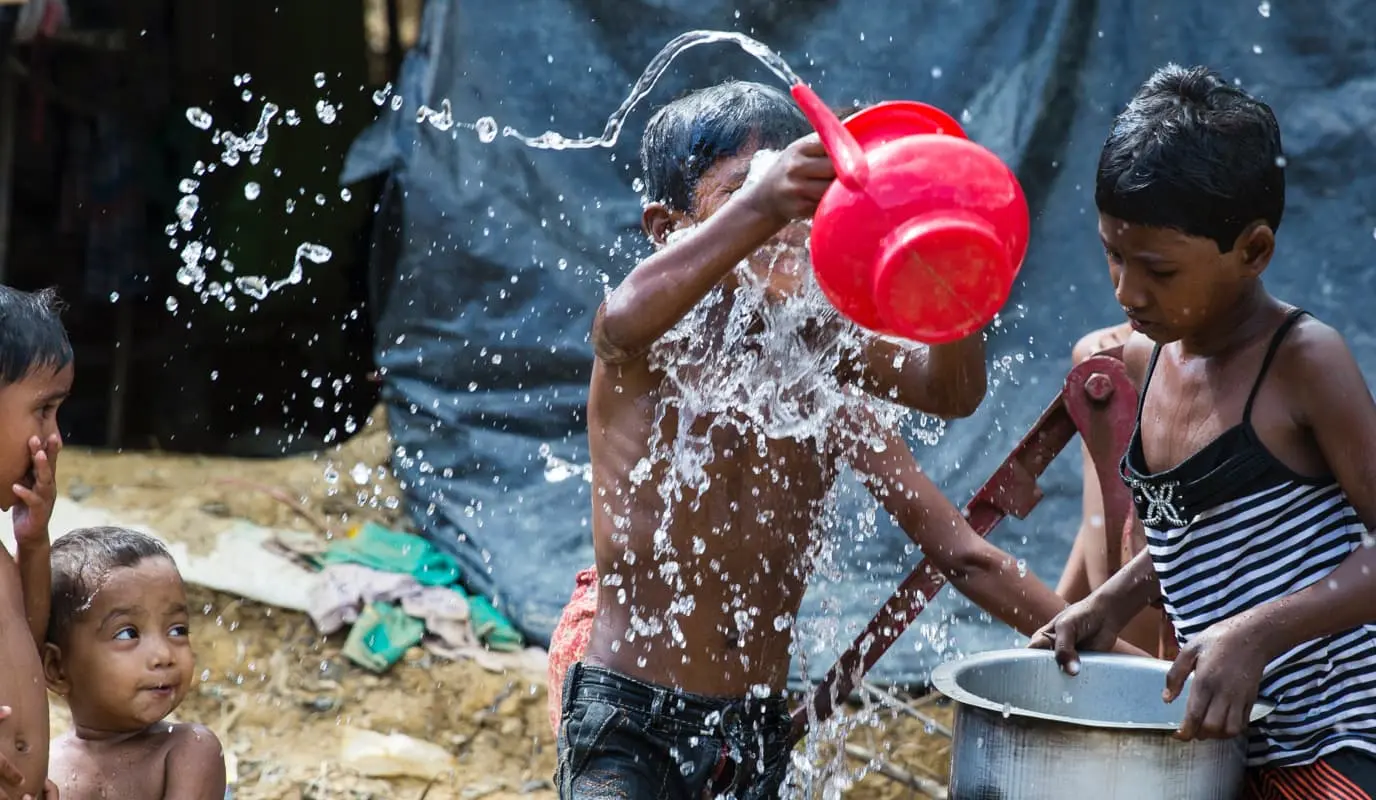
[[187, 739], [1312, 350]]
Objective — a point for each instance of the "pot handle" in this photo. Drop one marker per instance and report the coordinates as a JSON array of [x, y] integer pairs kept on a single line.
[[851, 166]]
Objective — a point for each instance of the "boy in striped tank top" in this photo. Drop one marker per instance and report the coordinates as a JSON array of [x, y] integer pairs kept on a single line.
[[1253, 466]]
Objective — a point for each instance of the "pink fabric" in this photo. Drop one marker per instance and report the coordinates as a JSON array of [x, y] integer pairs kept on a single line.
[[570, 639]]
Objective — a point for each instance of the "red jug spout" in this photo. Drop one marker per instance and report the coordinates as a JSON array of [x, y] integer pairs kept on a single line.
[[851, 166]]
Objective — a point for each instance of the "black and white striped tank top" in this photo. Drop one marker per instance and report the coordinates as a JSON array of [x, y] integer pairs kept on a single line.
[[1230, 528]]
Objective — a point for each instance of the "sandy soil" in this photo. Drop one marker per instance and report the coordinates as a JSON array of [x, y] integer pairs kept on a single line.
[[280, 696]]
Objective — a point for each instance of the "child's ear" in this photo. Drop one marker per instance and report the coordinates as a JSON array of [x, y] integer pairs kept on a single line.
[[658, 221], [1255, 247], [53, 673]]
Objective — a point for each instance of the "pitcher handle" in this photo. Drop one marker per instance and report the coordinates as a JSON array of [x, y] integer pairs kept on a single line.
[[851, 166]]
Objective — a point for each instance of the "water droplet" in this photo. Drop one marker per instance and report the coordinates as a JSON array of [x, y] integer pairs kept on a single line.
[[1256, 48], [346, 195], [214, 374], [325, 111], [486, 129], [1007, 710], [380, 96], [1022, 568], [320, 80], [199, 118], [171, 304], [246, 95], [936, 72], [1264, 9], [254, 286], [292, 118], [187, 186], [320, 199], [114, 297], [360, 473], [1067, 698], [252, 190]]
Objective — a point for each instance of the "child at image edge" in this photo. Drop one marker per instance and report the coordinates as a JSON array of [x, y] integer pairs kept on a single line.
[[1253, 465], [118, 648], [35, 377]]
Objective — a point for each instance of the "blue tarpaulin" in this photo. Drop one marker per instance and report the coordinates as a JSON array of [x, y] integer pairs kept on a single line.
[[494, 256]]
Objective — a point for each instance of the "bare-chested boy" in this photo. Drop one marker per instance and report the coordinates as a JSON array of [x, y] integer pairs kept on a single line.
[[705, 502], [35, 377]]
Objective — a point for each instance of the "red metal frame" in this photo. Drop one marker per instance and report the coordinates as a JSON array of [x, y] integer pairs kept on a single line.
[[1099, 402]]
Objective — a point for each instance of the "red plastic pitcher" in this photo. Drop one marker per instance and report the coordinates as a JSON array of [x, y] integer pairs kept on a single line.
[[923, 232]]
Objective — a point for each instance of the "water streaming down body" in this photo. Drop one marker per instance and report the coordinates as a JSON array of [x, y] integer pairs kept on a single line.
[[764, 367]]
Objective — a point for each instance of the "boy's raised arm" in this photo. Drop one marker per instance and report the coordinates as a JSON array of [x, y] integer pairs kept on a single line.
[[665, 287], [945, 380]]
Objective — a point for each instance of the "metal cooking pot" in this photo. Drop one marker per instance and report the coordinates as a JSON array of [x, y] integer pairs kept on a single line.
[[1024, 730]]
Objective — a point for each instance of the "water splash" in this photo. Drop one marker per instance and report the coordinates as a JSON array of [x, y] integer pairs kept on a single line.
[[486, 128]]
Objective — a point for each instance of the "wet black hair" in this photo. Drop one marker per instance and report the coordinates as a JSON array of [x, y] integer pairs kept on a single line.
[[31, 334], [1195, 154], [81, 560], [689, 135]]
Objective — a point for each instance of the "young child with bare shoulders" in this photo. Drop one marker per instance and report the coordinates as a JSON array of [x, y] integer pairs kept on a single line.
[[35, 377], [118, 649], [1253, 466], [714, 452]]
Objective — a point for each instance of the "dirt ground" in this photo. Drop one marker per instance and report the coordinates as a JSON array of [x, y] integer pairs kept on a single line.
[[281, 697]]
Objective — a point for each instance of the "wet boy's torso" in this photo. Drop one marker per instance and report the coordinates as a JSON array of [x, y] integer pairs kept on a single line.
[[134, 768], [24, 735], [741, 548]]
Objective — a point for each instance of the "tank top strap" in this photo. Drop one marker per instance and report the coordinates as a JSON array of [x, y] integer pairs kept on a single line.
[[1146, 381], [1290, 319]]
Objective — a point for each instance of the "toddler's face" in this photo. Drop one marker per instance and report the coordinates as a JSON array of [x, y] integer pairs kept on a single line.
[[128, 661]]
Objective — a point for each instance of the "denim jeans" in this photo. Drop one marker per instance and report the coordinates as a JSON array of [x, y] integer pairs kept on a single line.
[[622, 738]]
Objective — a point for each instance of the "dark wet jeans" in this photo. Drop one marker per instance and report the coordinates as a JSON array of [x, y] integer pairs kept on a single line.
[[622, 738]]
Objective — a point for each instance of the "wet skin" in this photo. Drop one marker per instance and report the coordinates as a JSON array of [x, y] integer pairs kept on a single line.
[[742, 549]]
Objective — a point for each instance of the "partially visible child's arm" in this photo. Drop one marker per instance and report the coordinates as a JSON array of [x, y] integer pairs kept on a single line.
[[947, 380], [195, 766], [31, 515], [667, 285], [980, 571]]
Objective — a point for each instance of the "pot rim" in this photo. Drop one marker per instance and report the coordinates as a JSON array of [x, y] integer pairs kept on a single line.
[[945, 679]]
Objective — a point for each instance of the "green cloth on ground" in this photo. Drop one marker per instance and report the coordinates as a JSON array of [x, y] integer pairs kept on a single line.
[[388, 551], [378, 548], [382, 636], [490, 626]]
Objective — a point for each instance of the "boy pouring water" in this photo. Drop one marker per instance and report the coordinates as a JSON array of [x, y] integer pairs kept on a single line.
[[723, 404]]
